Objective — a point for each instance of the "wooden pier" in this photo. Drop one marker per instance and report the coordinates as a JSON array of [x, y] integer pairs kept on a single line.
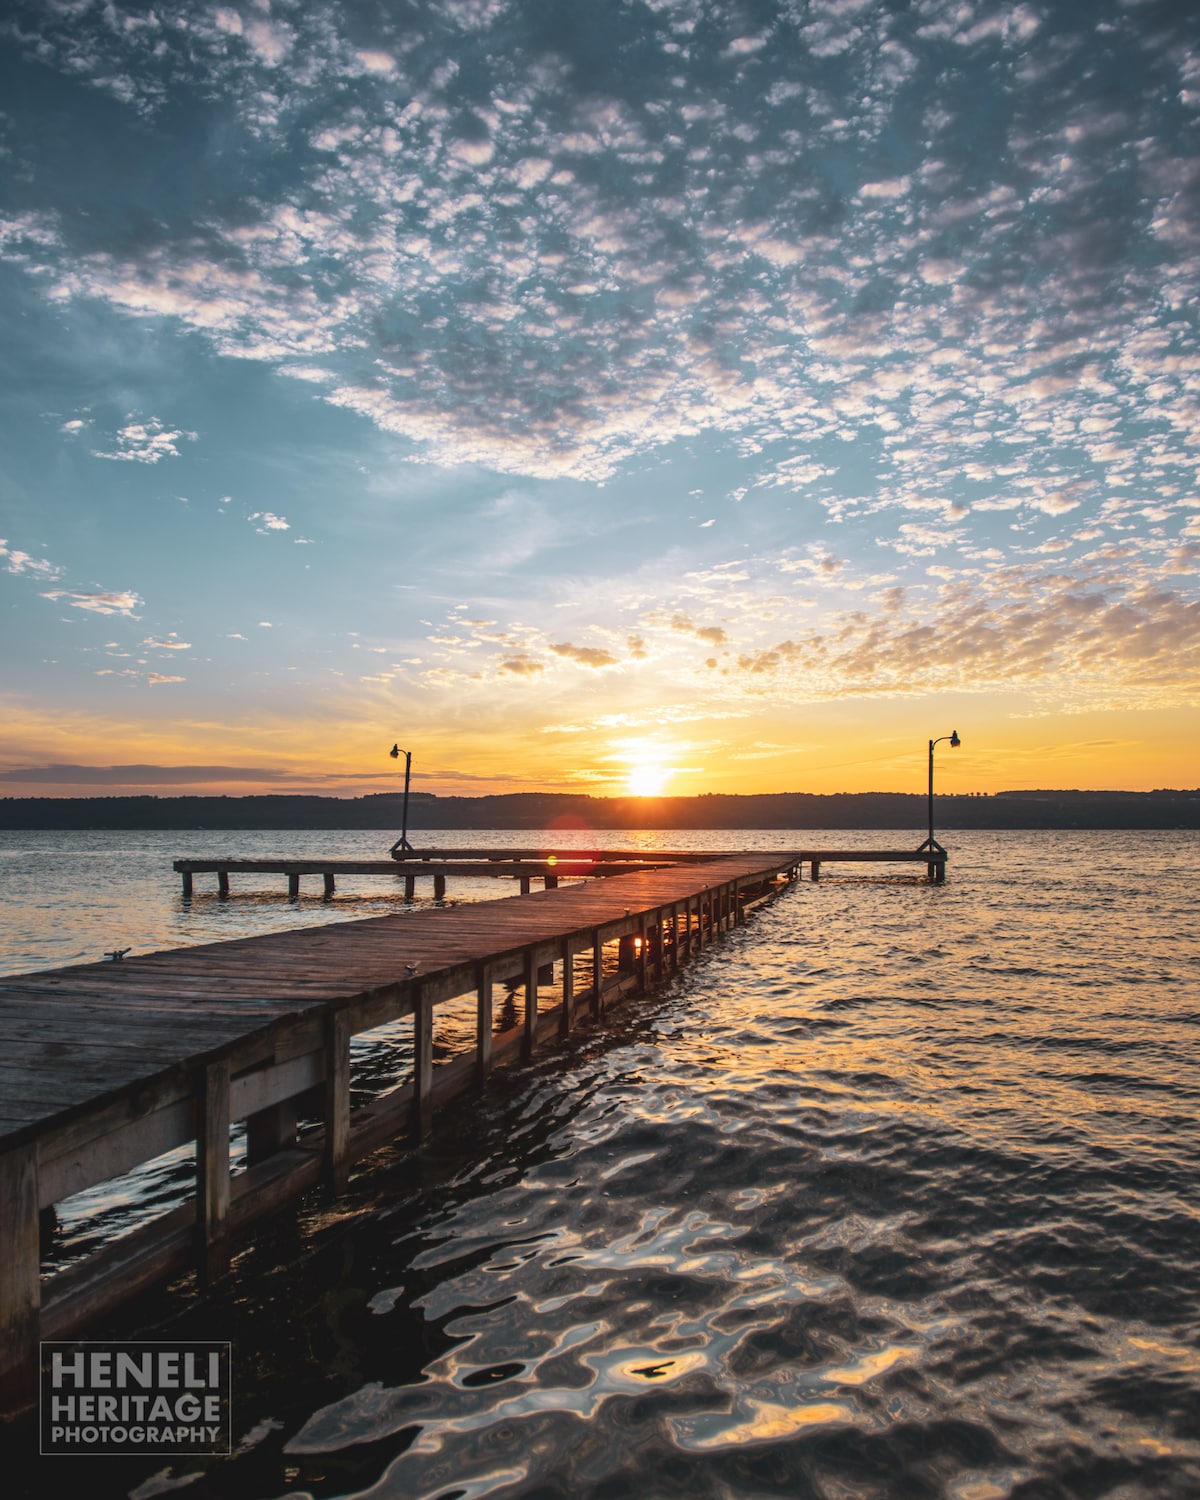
[[106, 1066], [522, 865]]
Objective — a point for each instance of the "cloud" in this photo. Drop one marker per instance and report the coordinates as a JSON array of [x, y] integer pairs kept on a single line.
[[377, 62], [586, 656], [511, 251], [146, 442], [894, 187], [714, 635], [13, 560], [99, 601], [450, 266], [171, 643], [138, 775]]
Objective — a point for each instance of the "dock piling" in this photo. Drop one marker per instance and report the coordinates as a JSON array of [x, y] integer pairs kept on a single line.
[[20, 1280], [212, 1171], [568, 987], [483, 1022], [337, 1100], [529, 979], [422, 1065]]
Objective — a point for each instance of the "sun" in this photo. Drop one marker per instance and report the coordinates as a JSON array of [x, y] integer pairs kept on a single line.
[[647, 779]]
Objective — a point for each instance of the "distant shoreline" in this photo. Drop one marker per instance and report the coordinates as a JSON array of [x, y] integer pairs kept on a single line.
[[570, 812]]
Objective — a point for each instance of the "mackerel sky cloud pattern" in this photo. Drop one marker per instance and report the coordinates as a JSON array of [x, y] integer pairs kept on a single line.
[[916, 281]]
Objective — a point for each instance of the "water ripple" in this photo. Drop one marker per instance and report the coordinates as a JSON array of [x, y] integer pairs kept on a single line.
[[893, 1194]]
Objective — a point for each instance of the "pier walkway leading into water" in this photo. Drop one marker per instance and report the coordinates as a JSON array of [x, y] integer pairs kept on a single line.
[[107, 1066]]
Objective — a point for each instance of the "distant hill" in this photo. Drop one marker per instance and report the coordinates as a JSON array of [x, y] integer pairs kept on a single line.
[[799, 810]]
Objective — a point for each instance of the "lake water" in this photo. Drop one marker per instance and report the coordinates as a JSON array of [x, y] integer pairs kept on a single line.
[[895, 1192]]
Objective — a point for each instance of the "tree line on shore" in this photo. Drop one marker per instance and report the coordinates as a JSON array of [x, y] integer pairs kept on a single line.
[[568, 811]]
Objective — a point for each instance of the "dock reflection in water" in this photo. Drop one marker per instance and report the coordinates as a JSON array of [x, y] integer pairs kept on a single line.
[[890, 1194]]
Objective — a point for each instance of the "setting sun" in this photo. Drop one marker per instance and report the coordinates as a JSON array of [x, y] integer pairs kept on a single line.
[[647, 780]]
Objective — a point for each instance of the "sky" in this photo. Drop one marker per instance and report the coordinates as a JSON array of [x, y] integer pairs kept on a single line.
[[676, 396]]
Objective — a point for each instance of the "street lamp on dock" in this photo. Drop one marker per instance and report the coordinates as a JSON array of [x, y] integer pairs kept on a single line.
[[402, 846], [931, 844]]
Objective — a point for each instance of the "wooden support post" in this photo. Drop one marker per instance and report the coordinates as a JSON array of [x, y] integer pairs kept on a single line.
[[293, 887], [643, 957], [329, 885], [439, 887], [568, 988], [660, 961], [422, 1066], [410, 887], [187, 885], [337, 1101], [270, 1130], [816, 869], [223, 884], [20, 1278], [212, 1171], [597, 975], [531, 989], [524, 879], [551, 882], [483, 1022], [627, 953], [739, 914], [674, 937]]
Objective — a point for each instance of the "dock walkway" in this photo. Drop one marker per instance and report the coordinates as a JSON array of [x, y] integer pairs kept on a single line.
[[107, 1066]]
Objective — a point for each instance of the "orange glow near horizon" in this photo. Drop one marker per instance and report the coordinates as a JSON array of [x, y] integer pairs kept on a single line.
[[820, 748]]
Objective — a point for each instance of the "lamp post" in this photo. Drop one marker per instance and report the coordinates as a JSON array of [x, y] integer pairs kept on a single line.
[[402, 846], [931, 844]]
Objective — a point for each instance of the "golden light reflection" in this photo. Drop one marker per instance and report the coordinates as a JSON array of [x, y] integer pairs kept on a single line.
[[873, 1364], [671, 1367], [772, 1421]]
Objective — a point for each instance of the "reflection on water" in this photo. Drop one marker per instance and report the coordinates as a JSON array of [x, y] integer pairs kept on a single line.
[[892, 1193]]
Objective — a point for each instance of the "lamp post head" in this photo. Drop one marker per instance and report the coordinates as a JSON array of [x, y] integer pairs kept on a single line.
[[395, 752], [955, 742]]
